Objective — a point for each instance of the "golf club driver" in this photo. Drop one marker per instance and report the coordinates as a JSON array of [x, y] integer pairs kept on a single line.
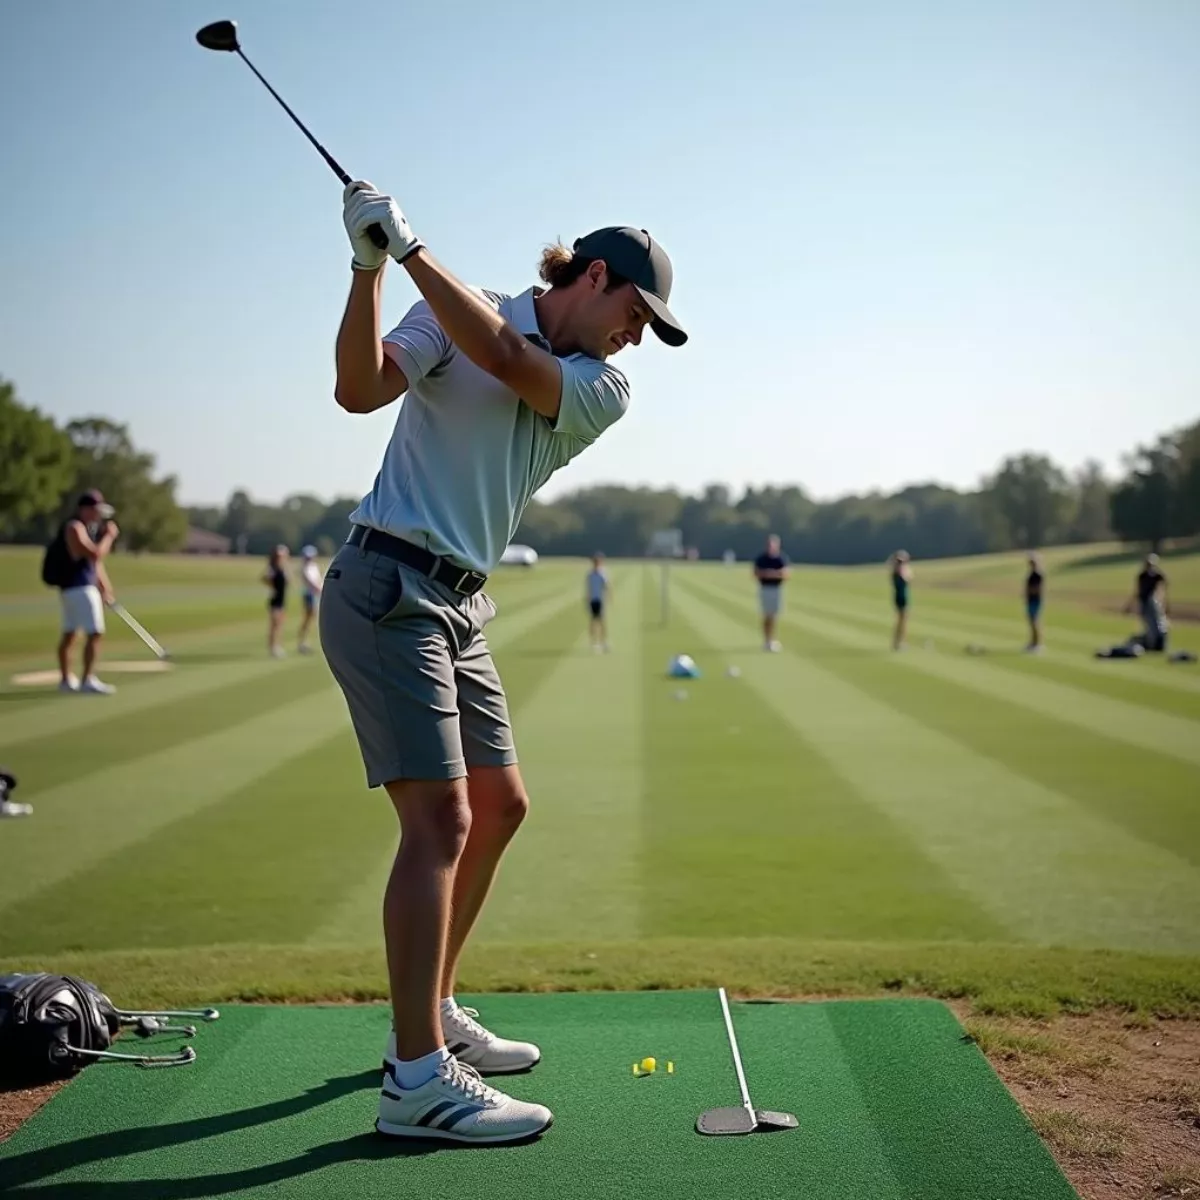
[[222, 35], [140, 630], [725, 1122]]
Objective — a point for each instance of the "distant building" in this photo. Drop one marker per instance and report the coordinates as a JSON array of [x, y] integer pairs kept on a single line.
[[201, 541]]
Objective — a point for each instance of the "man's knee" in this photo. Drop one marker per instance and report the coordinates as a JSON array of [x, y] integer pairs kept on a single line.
[[499, 799], [435, 816]]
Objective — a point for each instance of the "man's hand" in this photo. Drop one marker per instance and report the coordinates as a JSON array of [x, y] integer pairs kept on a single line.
[[110, 531], [108, 595], [362, 207]]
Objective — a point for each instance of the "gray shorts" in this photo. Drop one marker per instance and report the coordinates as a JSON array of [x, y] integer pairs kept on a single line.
[[770, 600], [411, 659]]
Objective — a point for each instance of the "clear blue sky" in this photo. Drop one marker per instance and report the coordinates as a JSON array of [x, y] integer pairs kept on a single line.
[[909, 237]]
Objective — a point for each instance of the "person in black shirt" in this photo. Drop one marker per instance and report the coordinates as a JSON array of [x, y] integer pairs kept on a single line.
[[770, 569], [1034, 582], [1150, 600], [276, 580]]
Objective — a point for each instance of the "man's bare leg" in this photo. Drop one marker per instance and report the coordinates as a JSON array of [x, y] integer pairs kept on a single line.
[[435, 821], [64, 655], [498, 804], [91, 647]]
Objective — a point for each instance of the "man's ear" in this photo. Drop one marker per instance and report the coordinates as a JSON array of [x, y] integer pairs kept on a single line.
[[596, 273]]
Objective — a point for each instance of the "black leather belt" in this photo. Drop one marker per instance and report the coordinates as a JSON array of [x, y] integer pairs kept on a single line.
[[440, 570]]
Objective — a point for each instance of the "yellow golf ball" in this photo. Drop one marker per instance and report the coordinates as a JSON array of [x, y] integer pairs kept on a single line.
[[648, 1064]]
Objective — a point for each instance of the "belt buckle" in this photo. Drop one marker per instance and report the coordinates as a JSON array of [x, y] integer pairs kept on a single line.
[[469, 582]]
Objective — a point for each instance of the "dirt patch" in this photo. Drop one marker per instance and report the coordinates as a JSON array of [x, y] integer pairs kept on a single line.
[[1117, 1100], [17, 1105]]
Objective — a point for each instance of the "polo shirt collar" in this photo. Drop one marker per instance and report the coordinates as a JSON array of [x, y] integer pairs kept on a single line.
[[524, 317]]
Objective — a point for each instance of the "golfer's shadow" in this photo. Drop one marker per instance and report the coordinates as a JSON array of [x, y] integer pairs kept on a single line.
[[36, 1165]]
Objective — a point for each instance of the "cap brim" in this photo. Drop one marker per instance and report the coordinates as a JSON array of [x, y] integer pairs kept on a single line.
[[664, 324], [105, 510]]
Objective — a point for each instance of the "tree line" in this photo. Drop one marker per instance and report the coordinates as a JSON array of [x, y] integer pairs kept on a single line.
[[1027, 502]]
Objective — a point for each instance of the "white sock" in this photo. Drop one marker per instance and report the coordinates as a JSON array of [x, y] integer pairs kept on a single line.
[[413, 1074], [449, 1006]]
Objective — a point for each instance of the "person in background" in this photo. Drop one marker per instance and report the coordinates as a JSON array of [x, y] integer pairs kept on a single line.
[[596, 585], [89, 537], [901, 579], [275, 577], [1034, 583], [310, 582], [1150, 601], [771, 569]]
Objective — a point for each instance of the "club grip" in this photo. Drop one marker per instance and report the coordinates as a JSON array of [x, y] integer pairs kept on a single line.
[[377, 236]]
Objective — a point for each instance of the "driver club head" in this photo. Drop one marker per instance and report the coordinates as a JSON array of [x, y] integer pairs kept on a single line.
[[220, 35]]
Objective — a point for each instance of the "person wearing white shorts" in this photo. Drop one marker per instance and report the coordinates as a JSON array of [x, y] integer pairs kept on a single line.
[[85, 589]]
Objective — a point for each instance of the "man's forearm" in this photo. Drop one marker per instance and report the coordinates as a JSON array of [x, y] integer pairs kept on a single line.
[[359, 348], [476, 328]]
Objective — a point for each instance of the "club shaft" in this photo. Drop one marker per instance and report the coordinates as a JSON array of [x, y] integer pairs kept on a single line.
[[334, 165], [737, 1054], [137, 628]]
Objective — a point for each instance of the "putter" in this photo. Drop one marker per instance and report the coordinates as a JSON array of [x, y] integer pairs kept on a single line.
[[222, 35], [140, 630], [726, 1122]]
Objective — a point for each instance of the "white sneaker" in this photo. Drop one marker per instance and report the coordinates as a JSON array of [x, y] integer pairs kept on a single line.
[[10, 808], [96, 687], [478, 1047], [278, 652], [773, 647], [70, 684], [457, 1106], [304, 648]]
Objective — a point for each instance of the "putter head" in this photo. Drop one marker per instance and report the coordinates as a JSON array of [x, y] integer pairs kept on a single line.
[[726, 1122], [220, 35]]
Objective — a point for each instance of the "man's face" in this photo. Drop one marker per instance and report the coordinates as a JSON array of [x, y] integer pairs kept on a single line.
[[610, 321], [773, 546]]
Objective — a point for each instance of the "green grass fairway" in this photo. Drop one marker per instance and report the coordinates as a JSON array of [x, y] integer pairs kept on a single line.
[[833, 819], [892, 1104]]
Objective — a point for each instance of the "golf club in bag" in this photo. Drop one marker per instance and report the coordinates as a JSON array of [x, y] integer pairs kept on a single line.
[[222, 35], [726, 1122], [52, 1026], [140, 630]]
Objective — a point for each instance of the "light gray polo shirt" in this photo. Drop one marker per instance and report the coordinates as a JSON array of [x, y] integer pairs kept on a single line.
[[466, 454]]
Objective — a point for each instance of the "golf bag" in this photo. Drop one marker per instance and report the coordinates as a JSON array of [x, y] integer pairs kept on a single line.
[[52, 1026], [58, 567]]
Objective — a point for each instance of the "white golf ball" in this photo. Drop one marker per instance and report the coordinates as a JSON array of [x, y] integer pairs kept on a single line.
[[733, 672]]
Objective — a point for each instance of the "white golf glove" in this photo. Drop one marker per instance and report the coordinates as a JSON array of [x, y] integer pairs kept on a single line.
[[362, 207]]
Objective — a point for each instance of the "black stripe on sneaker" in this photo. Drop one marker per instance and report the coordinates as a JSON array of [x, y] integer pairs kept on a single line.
[[463, 1110], [460, 1047], [436, 1111], [389, 1069]]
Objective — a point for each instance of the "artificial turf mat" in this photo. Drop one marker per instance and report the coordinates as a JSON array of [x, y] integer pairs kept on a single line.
[[892, 1103]]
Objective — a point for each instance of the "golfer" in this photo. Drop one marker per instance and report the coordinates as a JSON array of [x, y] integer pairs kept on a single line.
[[275, 577], [310, 583], [901, 579], [500, 392], [596, 587], [1034, 583], [1150, 601], [89, 536], [771, 569]]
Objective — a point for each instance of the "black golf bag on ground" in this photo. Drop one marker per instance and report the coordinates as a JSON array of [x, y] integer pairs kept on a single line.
[[52, 1026]]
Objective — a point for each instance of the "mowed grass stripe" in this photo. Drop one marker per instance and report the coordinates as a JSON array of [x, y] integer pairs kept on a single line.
[[749, 831], [32, 714], [1043, 866], [572, 871], [55, 761], [1157, 732], [82, 823], [1150, 682], [527, 646]]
